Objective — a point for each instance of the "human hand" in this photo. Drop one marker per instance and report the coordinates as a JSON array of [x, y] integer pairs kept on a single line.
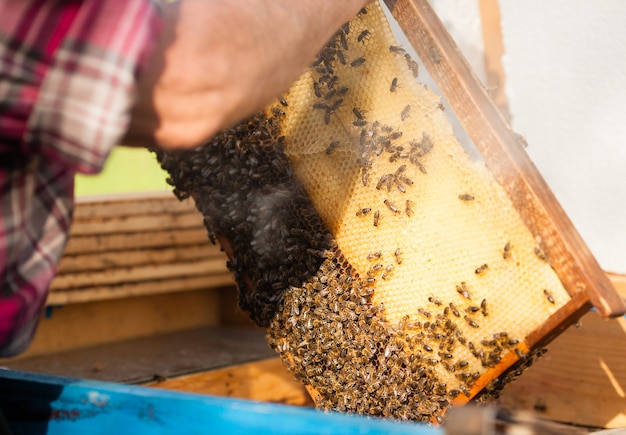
[[219, 61]]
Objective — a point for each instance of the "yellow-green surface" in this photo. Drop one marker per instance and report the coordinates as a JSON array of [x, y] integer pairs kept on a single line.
[[127, 170]]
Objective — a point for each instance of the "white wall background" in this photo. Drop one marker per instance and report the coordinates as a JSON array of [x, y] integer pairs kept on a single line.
[[565, 67]]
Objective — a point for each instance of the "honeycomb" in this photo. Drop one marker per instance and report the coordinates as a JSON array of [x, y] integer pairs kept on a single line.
[[391, 271]]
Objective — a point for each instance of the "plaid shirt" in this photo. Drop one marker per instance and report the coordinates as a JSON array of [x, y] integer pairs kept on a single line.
[[67, 82]]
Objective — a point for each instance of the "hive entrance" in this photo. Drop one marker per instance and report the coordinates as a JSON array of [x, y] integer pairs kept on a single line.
[[394, 274]]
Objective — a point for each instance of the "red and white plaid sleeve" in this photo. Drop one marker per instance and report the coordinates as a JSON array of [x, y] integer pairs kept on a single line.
[[67, 83]]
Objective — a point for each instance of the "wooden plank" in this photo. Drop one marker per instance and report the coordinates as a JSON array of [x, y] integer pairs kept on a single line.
[[136, 223], [494, 50], [504, 155], [125, 275], [104, 206], [168, 355], [619, 281], [100, 322], [582, 378], [154, 256], [145, 288], [266, 381], [153, 239]]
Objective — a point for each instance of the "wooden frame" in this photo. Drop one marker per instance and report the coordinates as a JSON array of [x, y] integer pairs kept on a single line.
[[508, 162], [504, 155], [134, 245]]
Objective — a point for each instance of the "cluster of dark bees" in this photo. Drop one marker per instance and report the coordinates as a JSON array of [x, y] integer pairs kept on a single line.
[[326, 87], [244, 187], [293, 279]]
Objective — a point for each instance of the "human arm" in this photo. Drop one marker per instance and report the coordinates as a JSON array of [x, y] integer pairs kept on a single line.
[[218, 61]]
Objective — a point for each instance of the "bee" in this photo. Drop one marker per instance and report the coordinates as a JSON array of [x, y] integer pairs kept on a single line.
[[327, 117], [342, 91], [413, 66], [317, 89], [325, 69], [426, 314], [480, 269], [363, 35], [427, 348], [396, 49], [463, 291], [363, 211], [409, 208], [454, 310], [277, 112], [158, 377], [335, 105], [365, 175], [358, 114], [405, 112], [343, 40], [483, 307], [341, 57], [549, 296], [368, 291], [332, 146], [331, 81], [471, 322], [472, 309], [357, 62], [405, 180], [521, 140], [385, 180], [434, 54], [376, 218], [434, 300], [284, 102], [466, 197], [359, 123], [506, 252], [395, 135], [321, 106], [391, 206], [387, 271], [330, 94], [377, 267], [398, 256], [540, 254], [394, 85]]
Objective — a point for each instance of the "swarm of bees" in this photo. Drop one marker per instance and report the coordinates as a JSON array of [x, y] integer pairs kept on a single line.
[[244, 187]]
